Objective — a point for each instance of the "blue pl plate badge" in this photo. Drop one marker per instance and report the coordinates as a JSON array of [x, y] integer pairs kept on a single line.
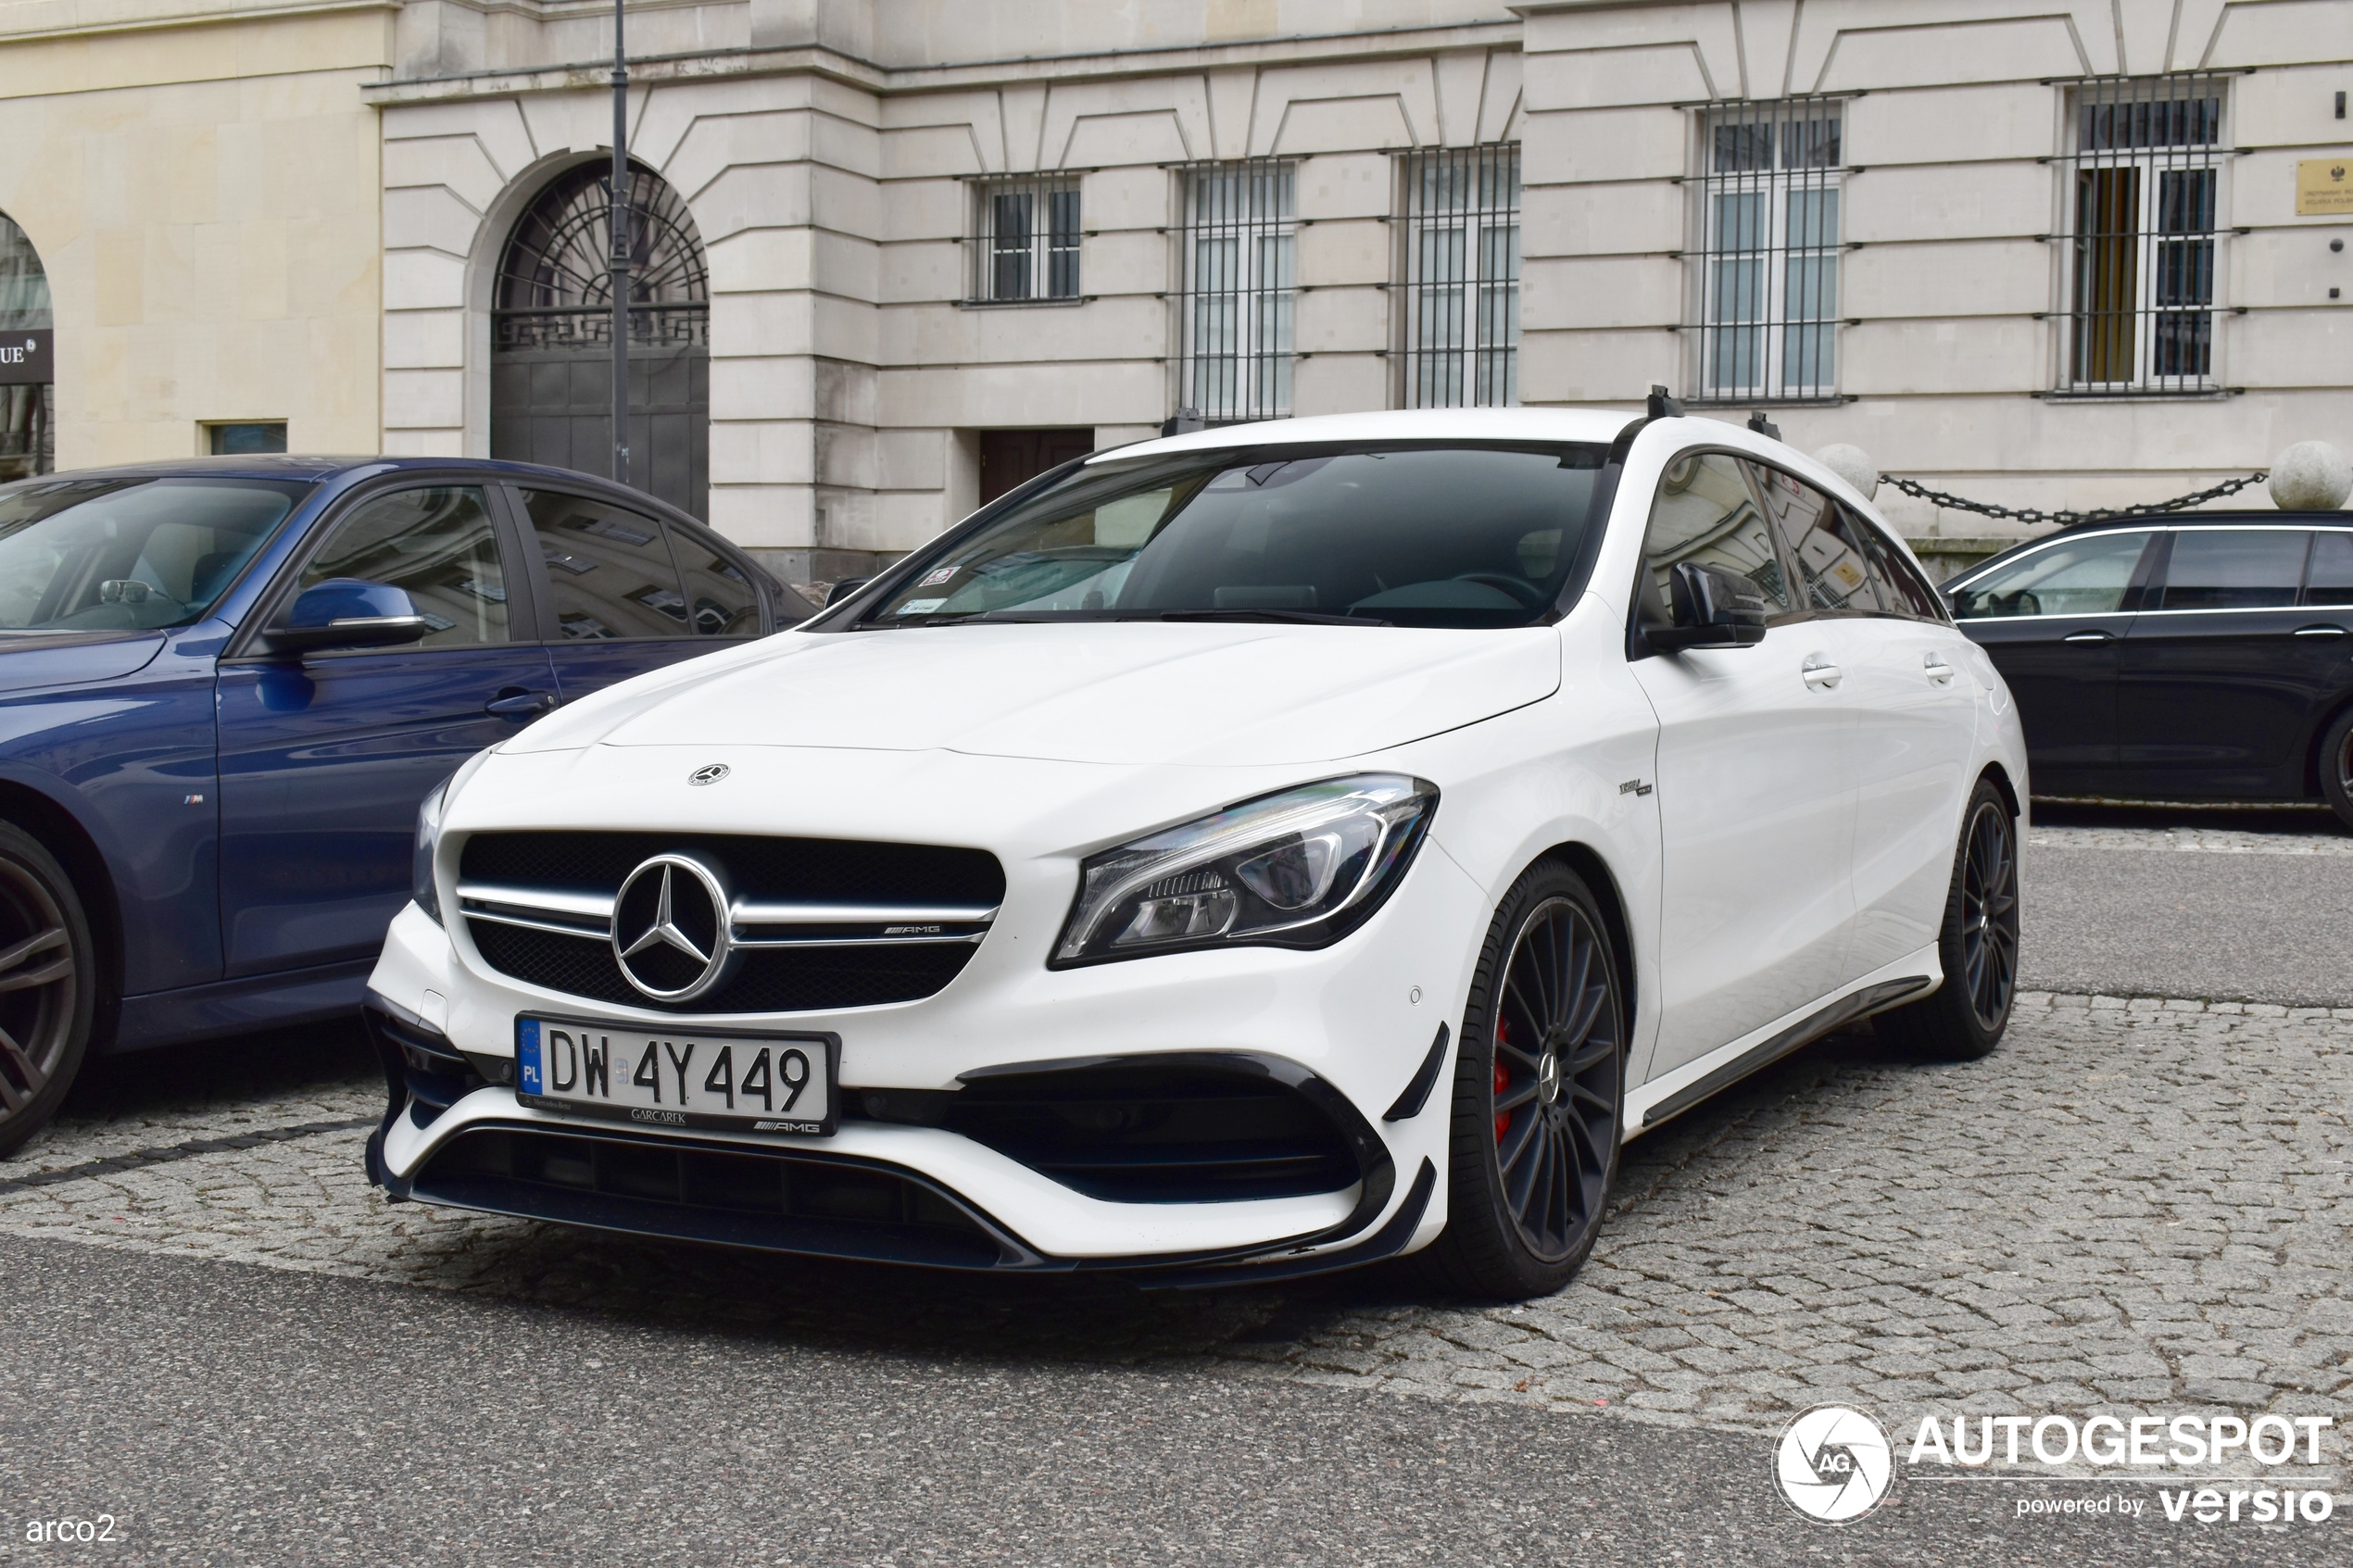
[[527, 1056]]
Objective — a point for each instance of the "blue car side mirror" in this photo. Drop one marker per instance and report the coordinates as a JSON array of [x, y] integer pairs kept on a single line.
[[349, 612]]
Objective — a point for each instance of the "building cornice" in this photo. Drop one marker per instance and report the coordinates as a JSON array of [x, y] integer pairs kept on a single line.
[[161, 19], [892, 80]]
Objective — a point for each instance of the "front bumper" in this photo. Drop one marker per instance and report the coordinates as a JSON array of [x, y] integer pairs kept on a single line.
[[1346, 1030]]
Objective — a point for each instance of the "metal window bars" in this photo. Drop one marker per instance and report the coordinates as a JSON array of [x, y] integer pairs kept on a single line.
[[2140, 185], [1764, 281], [1238, 266], [1460, 324], [555, 277], [1026, 234]]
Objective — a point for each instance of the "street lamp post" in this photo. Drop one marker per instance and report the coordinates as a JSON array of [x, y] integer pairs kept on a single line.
[[619, 225]]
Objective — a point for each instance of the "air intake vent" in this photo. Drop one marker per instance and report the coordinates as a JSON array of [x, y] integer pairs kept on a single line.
[[717, 1193], [1157, 1134]]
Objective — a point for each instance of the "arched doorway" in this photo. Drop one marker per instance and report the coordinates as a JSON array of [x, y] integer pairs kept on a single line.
[[551, 320], [28, 423]]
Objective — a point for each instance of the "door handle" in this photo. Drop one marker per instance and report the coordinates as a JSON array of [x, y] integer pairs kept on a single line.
[[519, 704], [2089, 638], [2320, 632], [1938, 673], [1821, 675]]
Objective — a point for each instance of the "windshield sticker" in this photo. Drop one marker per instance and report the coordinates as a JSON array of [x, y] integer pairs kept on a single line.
[[945, 575], [920, 607]]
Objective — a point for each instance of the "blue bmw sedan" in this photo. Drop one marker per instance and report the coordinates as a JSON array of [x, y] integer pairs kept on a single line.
[[225, 685]]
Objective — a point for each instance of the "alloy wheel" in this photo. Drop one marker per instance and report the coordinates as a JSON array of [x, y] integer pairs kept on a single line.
[[38, 984], [1558, 1031], [1989, 915]]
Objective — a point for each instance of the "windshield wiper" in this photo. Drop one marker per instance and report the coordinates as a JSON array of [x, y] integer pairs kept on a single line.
[[1099, 617], [1295, 617]]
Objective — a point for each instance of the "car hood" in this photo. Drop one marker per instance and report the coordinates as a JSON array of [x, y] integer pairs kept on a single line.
[[31, 660], [1119, 693]]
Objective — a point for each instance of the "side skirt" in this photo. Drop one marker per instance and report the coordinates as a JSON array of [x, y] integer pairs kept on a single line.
[[232, 1006], [1668, 1097]]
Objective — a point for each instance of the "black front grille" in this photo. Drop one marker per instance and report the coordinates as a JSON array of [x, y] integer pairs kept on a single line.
[[1156, 1133], [766, 979], [785, 869], [771, 870], [707, 1192]]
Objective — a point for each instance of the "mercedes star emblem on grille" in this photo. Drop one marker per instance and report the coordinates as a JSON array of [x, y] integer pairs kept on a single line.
[[710, 772], [670, 928]]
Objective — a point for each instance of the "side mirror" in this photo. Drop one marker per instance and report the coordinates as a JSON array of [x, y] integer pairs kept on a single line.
[[843, 589], [1714, 608], [349, 612]]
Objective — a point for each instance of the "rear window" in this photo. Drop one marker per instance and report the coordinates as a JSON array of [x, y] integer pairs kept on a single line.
[[2235, 568], [1455, 536]]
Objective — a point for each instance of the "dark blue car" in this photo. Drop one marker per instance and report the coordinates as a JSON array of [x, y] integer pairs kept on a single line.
[[226, 684]]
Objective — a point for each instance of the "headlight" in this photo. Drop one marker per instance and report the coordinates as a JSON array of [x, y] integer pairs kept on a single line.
[[422, 887], [1301, 868], [421, 881]]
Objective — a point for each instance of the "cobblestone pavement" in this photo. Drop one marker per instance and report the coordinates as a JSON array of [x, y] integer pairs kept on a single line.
[[2131, 1204], [2218, 841]]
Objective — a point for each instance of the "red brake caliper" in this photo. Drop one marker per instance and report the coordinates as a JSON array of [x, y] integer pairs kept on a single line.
[[1503, 1082]]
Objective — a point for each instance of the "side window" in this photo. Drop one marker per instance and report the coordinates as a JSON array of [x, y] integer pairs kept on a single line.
[[2330, 579], [1705, 512], [2085, 576], [438, 544], [1822, 541], [2235, 568], [721, 600], [608, 569], [1901, 587]]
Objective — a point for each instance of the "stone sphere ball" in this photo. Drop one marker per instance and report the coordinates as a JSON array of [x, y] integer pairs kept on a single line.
[[2312, 476], [1851, 464]]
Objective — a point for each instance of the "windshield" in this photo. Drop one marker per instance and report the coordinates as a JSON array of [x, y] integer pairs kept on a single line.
[[1457, 535], [129, 555]]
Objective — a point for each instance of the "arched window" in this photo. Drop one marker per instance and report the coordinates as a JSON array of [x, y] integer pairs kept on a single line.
[[551, 326], [27, 424]]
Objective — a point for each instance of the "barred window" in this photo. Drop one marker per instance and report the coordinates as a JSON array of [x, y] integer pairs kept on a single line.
[[2143, 173], [1025, 239], [1765, 275], [1239, 265], [1461, 319]]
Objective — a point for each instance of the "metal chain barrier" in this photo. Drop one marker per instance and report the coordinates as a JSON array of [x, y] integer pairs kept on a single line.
[[2029, 514]]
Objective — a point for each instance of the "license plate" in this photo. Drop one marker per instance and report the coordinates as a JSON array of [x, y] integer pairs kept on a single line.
[[700, 1078]]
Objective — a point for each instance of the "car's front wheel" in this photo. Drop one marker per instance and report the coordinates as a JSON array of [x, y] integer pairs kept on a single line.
[[1539, 1088], [1963, 1019], [48, 985]]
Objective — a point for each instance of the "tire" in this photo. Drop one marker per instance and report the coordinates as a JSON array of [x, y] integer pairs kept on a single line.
[[48, 974], [1528, 1184], [1963, 1019], [2336, 767]]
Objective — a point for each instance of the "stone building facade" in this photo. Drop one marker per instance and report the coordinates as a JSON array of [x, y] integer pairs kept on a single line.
[[2076, 252], [191, 201]]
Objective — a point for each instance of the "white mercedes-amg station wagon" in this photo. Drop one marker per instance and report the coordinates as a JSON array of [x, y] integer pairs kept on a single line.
[[1262, 850]]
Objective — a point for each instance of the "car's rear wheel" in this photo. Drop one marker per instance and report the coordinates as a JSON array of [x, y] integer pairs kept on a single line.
[[47, 976], [1539, 1090], [2336, 766], [1963, 1019]]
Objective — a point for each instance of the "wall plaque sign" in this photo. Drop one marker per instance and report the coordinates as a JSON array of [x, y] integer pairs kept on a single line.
[[2325, 188], [25, 355]]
